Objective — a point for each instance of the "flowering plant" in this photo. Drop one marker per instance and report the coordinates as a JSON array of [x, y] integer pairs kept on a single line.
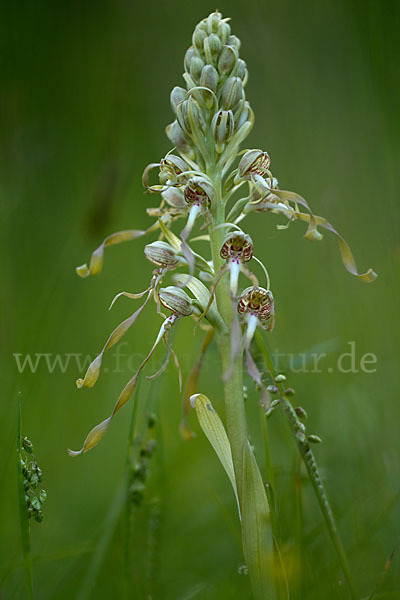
[[206, 180]]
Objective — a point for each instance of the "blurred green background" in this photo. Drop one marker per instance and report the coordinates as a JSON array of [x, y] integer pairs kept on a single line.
[[84, 102]]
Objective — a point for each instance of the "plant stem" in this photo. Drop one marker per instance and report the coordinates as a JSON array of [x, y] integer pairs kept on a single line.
[[257, 538], [313, 471], [23, 515], [233, 386]]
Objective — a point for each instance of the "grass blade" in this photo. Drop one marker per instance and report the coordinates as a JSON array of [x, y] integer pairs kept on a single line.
[[23, 515]]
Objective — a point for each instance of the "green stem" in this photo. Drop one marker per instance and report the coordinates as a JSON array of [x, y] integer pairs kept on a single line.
[[313, 471], [257, 537], [23, 515], [233, 386]]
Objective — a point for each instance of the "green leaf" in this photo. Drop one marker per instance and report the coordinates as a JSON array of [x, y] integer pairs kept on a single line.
[[215, 432], [256, 529]]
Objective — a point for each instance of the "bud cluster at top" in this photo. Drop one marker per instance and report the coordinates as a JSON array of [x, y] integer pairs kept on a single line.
[[214, 100]]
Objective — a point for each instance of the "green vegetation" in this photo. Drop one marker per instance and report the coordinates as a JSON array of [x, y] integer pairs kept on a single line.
[[85, 94]]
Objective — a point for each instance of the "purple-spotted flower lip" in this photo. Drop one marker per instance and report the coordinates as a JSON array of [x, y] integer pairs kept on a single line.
[[237, 247], [198, 191], [257, 302]]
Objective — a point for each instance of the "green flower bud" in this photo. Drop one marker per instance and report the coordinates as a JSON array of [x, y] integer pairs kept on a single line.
[[213, 20], [189, 115], [35, 503], [232, 93], [190, 53], [244, 116], [280, 378], [241, 70], [39, 516], [176, 300], [209, 78], [233, 40], [198, 38], [161, 254], [177, 137], [314, 439], [203, 25], [272, 389], [42, 496], [27, 445], [224, 31], [23, 468], [207, 51], [289, 392], [227, 59], [300, 412], [178, 94], [196, 67], [214, 44], [222, 126], [38, 472], [190, 83]]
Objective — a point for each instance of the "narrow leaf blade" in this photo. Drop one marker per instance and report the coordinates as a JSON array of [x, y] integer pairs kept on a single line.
[[214, 430], [256, 529]]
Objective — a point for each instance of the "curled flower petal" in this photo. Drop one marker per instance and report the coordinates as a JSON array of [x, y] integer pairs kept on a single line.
[[96, 260], [93, 438], [346, 253], [98, 432], [314, 222], [128, 295], [146, 176], [93, 371], [164, 366]]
